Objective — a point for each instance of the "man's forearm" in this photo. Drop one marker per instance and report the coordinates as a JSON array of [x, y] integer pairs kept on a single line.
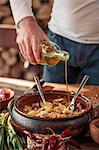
[[21, 9]]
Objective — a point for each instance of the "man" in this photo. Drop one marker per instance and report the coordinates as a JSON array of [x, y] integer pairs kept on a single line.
[[74, 26]]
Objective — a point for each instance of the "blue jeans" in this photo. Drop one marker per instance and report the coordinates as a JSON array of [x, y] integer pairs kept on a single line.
[[84, 59]]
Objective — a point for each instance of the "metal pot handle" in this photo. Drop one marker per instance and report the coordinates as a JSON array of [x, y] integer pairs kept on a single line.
[[10, 106]]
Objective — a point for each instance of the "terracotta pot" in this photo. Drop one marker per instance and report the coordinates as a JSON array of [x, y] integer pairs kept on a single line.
[[94, 130], [39, 125], [9, 94]]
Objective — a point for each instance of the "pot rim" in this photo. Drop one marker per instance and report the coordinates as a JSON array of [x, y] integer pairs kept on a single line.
[[84, 98]]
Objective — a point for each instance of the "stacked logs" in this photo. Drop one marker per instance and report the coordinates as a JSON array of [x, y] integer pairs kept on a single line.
[[41, 9], [5, 13], [11, 64]]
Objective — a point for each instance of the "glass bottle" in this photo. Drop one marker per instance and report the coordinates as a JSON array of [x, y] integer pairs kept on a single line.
[[51, 55]]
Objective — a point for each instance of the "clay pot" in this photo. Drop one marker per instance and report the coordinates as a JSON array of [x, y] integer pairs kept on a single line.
[[39, 125], [9, 94], [94, 130]]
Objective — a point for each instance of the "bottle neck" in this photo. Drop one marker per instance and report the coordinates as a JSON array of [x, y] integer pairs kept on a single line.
[[62, 55]]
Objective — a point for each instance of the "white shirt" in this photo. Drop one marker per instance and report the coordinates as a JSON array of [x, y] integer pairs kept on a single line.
[[77, 20], [21, 9]]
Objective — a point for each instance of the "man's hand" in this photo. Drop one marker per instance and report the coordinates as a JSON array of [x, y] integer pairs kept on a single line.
[[29, 38]]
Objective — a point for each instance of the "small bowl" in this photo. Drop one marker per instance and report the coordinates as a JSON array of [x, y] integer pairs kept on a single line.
[[9, 94], [94, 130]]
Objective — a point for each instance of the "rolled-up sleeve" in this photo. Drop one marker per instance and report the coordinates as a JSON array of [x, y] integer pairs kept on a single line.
[[21, 9]]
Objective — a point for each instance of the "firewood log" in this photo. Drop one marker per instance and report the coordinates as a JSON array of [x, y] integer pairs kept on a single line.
[[5, 70], [12, 61], [51, 2], [3, 2], [36, 4], [13, 51], [2, 63], [44, 12], [28, 75], [4, 11], [5, 55], [8, 20], [1, 49], [16, 71]]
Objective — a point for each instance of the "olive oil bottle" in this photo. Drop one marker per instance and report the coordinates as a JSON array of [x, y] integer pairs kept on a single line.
[[50, 55]]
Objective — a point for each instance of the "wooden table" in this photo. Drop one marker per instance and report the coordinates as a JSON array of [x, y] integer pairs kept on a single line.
[[92, 92]]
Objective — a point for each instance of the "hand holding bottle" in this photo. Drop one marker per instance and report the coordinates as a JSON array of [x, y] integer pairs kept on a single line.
[[29, 38], [51, 54]]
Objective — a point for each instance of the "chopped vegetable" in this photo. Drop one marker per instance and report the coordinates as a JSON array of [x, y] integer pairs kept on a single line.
[[54, 108]]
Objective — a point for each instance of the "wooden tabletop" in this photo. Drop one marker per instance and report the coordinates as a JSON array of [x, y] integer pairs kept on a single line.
[[92, 92]]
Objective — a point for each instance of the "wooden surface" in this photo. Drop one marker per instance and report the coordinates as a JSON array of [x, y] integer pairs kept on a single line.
[[92, 92]]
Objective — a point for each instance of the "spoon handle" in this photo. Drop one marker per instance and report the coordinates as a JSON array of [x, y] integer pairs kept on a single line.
[[37, 81], [82, 84]]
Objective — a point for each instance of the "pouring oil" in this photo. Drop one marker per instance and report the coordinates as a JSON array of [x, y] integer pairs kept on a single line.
[[66, 80], [51, 55]]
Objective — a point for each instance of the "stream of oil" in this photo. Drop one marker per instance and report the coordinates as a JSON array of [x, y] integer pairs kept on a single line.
[[66, 80]]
